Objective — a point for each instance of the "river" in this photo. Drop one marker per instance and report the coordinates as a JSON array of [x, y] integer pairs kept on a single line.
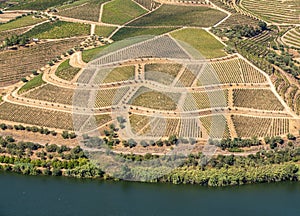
[[53, 196]]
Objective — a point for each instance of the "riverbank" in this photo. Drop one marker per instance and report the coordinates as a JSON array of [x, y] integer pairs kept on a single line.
[[279, 164]]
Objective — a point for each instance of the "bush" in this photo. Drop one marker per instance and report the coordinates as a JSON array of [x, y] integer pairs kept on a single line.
[[56, 172], [23, 79]]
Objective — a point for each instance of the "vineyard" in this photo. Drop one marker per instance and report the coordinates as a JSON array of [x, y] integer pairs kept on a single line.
[[37, 4], [58, 29], [149, 4], [121, 11], [170, 15], [52, 94], [165, 127], [128, 32], [89, 10], [260, 127], [186, 79], [289, 92], [207, 99], [109, 97], [9, 33], [66, 71], [202, 41], [36, 116], [236, 17], [155, 100], [274, 10], [237, 71], [138, 122], [216, 126], [21, 22], [256, 99], [119, 74], [104, 31], [183, 69], [33, 58], [162, 73], [292, 38]]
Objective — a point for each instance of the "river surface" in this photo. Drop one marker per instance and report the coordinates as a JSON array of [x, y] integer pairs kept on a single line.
[[51, 196]]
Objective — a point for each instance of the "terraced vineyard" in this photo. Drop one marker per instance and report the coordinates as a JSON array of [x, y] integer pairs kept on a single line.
[[292, 38], [256, 99], [236, 18], [155, 100], [216, 126], [183, 69], [52, 94], [260, 127], [281, 12], [204, 100], [109, 97], [237, 71], [36, 116], [33, 58], [289, 92]]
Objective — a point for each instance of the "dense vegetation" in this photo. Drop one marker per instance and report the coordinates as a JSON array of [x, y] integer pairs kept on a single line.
[[34, 159]]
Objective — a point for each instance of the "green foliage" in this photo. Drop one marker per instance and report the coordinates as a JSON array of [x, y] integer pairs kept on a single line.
[[35, 82], [20, 22], [68, 135], [233, 175], [66, 71], [58, 29], [291, 136], [16, 40], [121, 11], [235, 143], [202, 41], [89, 55], [104, 31]]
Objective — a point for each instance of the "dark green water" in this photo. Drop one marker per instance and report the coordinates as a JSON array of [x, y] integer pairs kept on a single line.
[[51, 196]]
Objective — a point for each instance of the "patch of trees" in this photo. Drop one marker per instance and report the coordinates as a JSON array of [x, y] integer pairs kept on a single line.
[[274, 141], [233, 175], [235, 143], [33, 129], [68, 135], [284, 61], [240, 31], [20, 40], [50, 159]]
